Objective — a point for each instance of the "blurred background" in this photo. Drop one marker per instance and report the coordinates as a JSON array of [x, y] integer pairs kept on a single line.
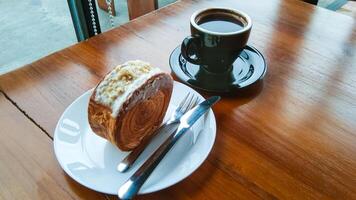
[[31, 29]]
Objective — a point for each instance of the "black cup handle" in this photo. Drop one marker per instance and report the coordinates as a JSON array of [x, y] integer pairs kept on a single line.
[[187, 43]]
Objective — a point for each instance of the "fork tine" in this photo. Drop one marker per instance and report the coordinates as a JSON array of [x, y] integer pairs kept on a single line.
[[180, 106], [196, 101], [193, 103], [188, 104]]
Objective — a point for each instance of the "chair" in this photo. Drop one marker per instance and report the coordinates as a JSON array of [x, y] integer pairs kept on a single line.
[[85, 17], [104, 6], [136, 8]]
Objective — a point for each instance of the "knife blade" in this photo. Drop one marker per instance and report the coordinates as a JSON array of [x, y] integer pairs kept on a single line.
[[130, 159], [193, 115], [131, 187]]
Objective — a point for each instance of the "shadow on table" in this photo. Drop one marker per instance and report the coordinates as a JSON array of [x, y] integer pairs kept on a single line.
[[192, 185], [80, 190]]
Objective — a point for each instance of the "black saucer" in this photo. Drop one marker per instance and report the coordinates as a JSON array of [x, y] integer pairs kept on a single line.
[[248, 68]]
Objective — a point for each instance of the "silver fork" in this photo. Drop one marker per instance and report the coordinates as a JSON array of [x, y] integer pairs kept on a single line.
[[170, 126]]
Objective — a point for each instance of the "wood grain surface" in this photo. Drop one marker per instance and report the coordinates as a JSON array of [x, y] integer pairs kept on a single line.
[[28, 168], [294, 137]]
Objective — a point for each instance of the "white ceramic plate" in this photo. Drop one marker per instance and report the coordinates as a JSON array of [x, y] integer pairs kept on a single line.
[[92, 161]]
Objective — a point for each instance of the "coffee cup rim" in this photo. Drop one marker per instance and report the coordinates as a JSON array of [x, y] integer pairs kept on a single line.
[[245, 28]]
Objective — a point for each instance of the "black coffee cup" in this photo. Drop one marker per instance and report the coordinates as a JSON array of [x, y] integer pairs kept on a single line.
[[218, 35]]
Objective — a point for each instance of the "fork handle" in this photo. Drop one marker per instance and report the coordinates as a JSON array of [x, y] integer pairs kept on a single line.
[[130, 159], [130, 188]]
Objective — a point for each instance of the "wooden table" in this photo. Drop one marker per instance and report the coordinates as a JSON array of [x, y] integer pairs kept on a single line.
[[293, 139]]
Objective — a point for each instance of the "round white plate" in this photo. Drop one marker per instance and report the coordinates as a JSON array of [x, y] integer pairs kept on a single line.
[[92, 161]]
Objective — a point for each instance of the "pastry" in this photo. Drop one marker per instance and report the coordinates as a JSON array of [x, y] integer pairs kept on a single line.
[[129, 103]]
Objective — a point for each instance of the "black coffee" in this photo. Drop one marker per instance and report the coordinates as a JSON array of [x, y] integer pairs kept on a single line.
[[221, 24]]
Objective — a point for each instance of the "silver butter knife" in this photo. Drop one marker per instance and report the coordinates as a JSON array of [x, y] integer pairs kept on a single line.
[[131, 187], [189, 101]]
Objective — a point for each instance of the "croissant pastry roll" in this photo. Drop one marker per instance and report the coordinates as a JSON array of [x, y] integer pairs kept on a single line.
[[129, 103]]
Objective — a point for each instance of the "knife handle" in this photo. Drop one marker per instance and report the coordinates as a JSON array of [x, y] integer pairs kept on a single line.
[[131, 187]]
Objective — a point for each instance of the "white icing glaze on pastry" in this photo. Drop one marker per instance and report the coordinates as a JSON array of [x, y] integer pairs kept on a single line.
[[121, 82]]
